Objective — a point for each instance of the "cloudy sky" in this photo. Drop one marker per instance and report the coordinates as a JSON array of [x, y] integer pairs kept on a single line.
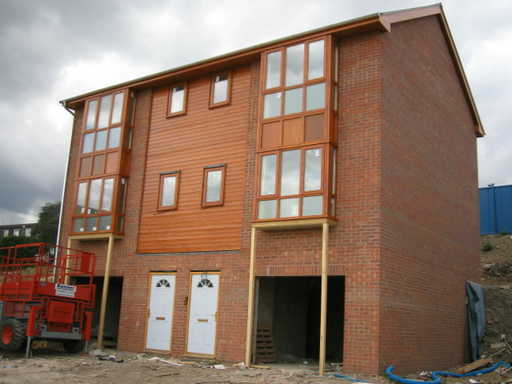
[[54, 49]]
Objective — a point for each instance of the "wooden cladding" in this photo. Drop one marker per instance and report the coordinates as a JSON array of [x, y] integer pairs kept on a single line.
[[300, 130], [200, 143]]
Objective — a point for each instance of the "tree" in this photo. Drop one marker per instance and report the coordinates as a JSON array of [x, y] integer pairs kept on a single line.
[[10, 241], [48, 223]]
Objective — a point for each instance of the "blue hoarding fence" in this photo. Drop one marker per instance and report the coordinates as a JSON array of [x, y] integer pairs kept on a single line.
[[496, 210]]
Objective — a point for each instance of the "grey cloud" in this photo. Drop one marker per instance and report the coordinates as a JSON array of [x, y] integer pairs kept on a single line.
[[39, 40]]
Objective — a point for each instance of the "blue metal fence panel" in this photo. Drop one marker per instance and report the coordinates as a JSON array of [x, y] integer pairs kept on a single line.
[[496, 210], [487, 217]]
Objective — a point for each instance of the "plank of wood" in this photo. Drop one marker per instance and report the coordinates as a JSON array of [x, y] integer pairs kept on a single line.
[[475, 365]]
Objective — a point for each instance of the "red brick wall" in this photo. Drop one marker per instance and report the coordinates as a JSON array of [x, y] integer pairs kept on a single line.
[[430, 230], [354, 241], [407, 214]]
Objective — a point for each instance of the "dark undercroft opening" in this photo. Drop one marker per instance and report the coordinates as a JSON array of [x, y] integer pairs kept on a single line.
[[288, 319], [113, 310]]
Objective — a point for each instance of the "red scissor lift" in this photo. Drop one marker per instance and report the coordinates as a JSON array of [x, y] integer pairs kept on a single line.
[[38, 299]]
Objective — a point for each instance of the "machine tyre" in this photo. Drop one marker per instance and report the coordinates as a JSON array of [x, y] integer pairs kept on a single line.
[[73, 346], [12, 334]]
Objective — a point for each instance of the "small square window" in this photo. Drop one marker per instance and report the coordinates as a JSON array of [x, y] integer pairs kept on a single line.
[[177, 100], [220, 89], [213, 185], [168, 191]]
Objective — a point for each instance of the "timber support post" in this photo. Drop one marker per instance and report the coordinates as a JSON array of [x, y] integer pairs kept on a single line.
[[104, 295], [250, 305], [323, 306]]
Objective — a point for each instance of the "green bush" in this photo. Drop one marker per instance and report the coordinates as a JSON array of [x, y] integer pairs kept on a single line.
[[487, 246]]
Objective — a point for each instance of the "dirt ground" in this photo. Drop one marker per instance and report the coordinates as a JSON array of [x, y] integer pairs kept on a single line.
[[50, 366], [497, 281]]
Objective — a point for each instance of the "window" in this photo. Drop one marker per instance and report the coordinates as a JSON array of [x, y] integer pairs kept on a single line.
[[102, 134], [168, 191], [6, 232], [16, 232], [28, 232], [213, 185], [94, 205], [291, 183], [303, 73], [220, 90], [177, 100]]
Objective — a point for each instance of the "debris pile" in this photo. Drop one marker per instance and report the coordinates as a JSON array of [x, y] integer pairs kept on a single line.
[[497, 341], [500, 270]]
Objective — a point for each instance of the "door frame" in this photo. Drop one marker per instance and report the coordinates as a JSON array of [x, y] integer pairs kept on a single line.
[[148, 304], [192, 354]]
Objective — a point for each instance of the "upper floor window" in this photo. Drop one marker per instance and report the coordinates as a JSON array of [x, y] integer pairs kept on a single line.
[[105, 111], [213, 185], [168, 191], [177, 99], [220, 93], [28, 232], [6, 232], [291, 183], [94, 205], [102, 123], [297, 86], [16, 232]]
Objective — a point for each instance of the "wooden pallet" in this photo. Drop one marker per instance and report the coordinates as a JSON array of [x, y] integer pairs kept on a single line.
[[265, 350]]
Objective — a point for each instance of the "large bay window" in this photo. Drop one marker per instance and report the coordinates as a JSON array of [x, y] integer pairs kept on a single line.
[[296, 140], [95, 204], [291, 183], [101, 184]]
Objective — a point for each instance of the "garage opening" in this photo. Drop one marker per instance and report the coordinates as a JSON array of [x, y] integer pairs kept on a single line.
[[113, 310], [288, 319]]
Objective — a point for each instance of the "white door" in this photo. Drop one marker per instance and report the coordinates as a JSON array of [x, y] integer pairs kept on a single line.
[[202, 323], [161, 305]]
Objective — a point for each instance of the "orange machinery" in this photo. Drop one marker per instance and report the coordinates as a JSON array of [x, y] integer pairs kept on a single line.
[[47, 293]]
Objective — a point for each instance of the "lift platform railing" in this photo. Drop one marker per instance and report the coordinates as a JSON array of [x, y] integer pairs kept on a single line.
[[29, 271]]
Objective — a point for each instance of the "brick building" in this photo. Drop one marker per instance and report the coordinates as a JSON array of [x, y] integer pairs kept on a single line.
[[323, 185], [17, 230]]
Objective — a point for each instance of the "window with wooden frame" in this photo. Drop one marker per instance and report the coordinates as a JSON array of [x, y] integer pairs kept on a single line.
[[295, 89], [94, 205], [101, 139], [220, 89], [177, 100], [168, 190], [293, 183], [214, 178]]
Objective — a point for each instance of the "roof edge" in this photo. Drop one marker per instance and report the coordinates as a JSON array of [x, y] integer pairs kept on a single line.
[[374, 19], [392, 17]]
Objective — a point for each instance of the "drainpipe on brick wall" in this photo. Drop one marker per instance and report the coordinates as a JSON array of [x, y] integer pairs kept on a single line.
[[57, 240]]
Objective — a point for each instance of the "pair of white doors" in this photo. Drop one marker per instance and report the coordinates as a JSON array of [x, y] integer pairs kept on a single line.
[[202, 318]]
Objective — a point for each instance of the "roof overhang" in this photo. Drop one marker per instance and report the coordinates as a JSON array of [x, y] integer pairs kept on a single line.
[[372, 22], [375, 22]]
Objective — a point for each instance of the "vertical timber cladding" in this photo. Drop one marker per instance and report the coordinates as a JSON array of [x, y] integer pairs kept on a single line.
[[202, 137]]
